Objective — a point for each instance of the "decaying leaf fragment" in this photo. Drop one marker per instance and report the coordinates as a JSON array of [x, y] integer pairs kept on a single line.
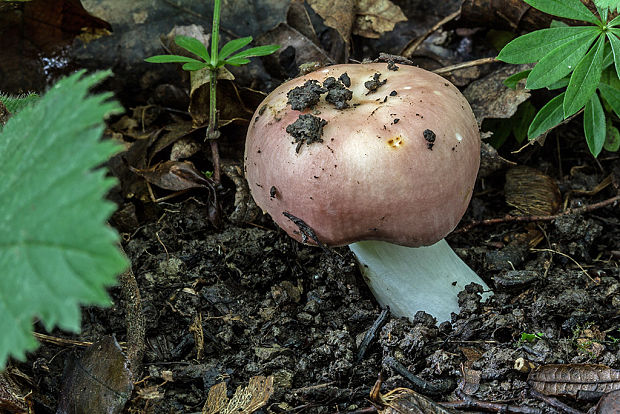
[[532, 192], [368, 18], [245, 401], [174, 176], [570, 379], [375, 17], [404, 401]]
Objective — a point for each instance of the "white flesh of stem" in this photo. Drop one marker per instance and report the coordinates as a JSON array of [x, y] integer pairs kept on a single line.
[[410, 279]]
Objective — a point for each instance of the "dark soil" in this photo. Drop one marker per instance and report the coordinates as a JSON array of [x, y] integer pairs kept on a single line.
[[271, 306]]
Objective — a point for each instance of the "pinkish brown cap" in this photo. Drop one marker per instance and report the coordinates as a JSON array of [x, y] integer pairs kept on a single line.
[[398, 165]]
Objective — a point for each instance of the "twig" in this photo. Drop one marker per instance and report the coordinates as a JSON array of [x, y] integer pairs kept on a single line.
[[553, 402], [372, 332], [135, 321], [420, 385], [468, 403], [306, 231], [527, 219], [464, 65], [414, 44]]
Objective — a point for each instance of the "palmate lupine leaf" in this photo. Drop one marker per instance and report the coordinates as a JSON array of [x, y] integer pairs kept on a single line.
[[56, 251], [610, 4]]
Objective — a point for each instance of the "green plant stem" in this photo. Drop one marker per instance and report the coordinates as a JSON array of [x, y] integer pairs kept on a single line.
[[212, 132]]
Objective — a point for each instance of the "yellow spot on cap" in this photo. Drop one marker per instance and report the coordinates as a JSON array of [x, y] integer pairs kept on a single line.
[[396, 142]]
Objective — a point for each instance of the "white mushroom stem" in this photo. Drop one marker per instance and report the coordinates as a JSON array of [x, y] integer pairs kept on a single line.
[[410, 279]]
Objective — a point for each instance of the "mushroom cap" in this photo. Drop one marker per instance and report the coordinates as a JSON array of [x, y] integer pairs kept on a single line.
[[376, 175]]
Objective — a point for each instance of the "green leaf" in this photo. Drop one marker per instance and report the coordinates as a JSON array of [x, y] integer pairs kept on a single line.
[[607, 4], [614, 22], [612, 137], [612, 35], [232, 46], [571, 9], [548, 117], [500, 128], [56, 251], [235, 61], [195, 65], [170, 59], [513, 80], [562, 83], [602, 11], [594, 125], [611, 96], [523, 118], [585, 79], [15, 104], [193, 45], [561, 61], [256, 51], [533, 46]]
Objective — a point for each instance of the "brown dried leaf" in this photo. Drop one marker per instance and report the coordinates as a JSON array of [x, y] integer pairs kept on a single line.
[[375, 17], [569, 379], [531, 192], [174, 176], [406, 401], [337, 14], [491, 161], [98, 382], [245, 401], [490, 98], [11, 397]]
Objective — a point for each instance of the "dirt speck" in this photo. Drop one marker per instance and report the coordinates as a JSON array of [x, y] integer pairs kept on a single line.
[[306, 96], [337, 93], [374, 84], [429, 136], [307, 128]]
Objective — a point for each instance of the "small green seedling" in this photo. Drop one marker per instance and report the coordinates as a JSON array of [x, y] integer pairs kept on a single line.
[[218, 58], [531, 337], [581, 59]]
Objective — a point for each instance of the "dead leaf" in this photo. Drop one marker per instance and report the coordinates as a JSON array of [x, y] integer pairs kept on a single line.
[[11, 396], [406, 401], [30, 31], [295, 50], [531, 192], [174, 176], [490, 98], [569, 379], [245, 401], [374, 17], [491, 161], [337, 14], [99, 381]]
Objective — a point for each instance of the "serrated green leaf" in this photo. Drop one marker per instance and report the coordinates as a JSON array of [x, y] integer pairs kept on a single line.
[[533, 46], [560, 62], [193, 45], [612, 35], [594, 125], [612, 137], [570, 9], [523, 118], [611, 96], [513, 80], [232, 46], [585, 79], [15, 104], [56, 251], [547, 118], [170, 59]]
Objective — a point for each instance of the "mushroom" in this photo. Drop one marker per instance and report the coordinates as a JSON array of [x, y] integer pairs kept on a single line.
[[379, 157]]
